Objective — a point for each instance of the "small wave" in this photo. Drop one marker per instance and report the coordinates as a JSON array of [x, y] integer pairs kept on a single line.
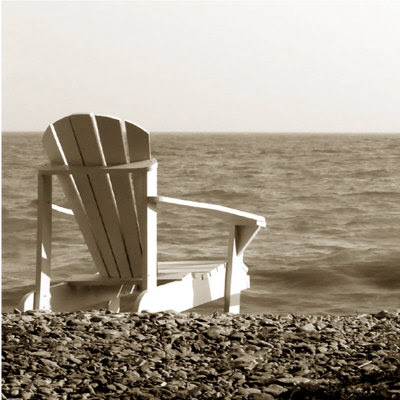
[[218, 194], [346, 275], [321, 161], [303, 279], [328, 151], [376, 193], [345, 255], [17, 224], [312, 197], [384, 274], [301, 225], [374, 173], [333, 231]]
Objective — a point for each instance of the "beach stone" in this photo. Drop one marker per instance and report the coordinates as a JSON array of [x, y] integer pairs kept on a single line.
[[121, 386], [369, 367], [42, 353], [294, 380], [214, 332], [246, 392], [276, 390], [308, 328], [246, 361], [182, 394], [266, 378], [45, 390], [27, 395], [322, 349], [252, 347], [305, 347], [41, 382], [72, 358], [49, 363], [238, 376], [262, 396], [385, 314]]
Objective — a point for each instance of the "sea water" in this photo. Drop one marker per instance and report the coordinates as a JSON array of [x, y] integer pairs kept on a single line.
[[332, 204]]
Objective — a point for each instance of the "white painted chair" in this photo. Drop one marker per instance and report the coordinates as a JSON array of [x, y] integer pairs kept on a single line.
[[110, 181]]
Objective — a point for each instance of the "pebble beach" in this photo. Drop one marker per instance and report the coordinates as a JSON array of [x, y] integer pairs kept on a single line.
[[167, 355]]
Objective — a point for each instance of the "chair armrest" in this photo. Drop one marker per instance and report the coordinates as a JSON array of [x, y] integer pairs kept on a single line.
[[112, 169], [226, 213]]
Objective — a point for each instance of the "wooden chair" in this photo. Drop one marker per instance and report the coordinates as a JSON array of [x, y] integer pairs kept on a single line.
[[110, 181]]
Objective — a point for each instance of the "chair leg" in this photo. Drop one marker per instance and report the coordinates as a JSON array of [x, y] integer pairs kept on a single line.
[[43, 249], [114, 304], [232, 280], [239, 238], [233, 305]]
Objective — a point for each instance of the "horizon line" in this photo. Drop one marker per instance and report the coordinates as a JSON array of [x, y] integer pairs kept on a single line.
[[245, 132]]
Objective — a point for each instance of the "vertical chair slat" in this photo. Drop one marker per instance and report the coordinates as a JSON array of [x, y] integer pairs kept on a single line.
[[112, 141], [94, 242], [139, 150], [83, 183], [89, 147], [138, 142], [145, 184]]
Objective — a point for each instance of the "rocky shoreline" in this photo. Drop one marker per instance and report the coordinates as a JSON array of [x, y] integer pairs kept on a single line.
[[100, 355]]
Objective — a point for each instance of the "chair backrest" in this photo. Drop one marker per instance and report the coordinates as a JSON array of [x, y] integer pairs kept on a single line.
[[110, 209]]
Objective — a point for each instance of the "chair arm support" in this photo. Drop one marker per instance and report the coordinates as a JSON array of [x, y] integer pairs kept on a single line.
[[234, 216], [62, 210]]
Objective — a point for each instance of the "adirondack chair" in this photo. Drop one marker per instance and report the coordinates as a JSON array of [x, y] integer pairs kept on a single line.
[[105, 169]]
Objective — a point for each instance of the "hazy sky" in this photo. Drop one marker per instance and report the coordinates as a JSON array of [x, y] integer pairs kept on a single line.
[[275, 66]]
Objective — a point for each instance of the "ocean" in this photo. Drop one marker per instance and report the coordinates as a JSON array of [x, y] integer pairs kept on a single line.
[[332, 204]]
